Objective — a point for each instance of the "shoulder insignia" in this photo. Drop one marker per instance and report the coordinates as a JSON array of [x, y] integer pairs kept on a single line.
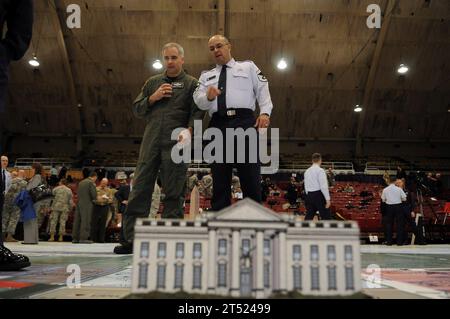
[[262, 77]]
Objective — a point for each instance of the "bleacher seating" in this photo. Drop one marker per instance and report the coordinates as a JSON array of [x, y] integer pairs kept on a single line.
[[346, 206]]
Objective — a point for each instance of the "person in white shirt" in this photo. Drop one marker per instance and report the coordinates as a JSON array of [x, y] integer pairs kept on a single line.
[[229, 92], [393, 196], [316, 189]]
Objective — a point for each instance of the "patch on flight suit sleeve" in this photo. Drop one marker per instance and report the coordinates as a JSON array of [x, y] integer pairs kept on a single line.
[[197, 86], [262, 77]]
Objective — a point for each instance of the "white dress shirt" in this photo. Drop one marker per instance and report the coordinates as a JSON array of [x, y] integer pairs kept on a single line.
[[7, 180], [393, 195], [315, 180], [245, 85]]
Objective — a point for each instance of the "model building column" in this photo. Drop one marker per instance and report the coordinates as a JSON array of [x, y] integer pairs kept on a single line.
[[259, 267], [212, 261], [235, 271], [283, 261]]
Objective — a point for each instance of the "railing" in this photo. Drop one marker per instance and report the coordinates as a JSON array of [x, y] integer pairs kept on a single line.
[[202, 167], [47, 163], [433, 166], [379, 168], [337, 167]]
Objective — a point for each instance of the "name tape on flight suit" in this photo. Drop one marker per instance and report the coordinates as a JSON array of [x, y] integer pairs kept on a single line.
[[177, 85]]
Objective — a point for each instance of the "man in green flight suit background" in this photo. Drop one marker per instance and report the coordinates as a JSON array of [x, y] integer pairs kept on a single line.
[[166, 103]]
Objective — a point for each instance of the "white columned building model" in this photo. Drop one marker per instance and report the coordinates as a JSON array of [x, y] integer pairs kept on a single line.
[[246, 250]]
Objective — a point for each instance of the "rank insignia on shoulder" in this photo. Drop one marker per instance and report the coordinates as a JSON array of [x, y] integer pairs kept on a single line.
[[262, 77], [178, 85], [213, 77]]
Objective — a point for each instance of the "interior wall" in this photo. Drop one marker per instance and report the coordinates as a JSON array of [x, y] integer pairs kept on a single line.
[[371, 149], [336, 150]]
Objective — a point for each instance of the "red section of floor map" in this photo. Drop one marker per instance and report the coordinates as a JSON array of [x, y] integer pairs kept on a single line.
[[438, 280], [14, 284]]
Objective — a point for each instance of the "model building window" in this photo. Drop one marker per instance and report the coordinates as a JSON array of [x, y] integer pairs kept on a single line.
[[161, 276], [179, 251], [162, 250], [197, 277], [266, 247], [179, 276], [331, 253], [197, 250], [314, 253], [332, 278], [315, 284], [222, 247], [222, 275], [349, 284], [348, 253], [297, 252], [144, 250], [143, 273], [297, 276], [245, 247], [266, 274]]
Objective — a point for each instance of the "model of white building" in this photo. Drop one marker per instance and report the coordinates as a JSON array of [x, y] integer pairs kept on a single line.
[[246, 250]]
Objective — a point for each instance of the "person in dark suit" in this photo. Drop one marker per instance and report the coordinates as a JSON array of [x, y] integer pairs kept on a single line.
[[401, 174], [18, 16], [122, 196], [409, 215], [292, 192]]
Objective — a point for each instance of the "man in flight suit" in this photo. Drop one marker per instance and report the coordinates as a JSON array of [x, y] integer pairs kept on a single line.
[[229, 92], [166, 103]]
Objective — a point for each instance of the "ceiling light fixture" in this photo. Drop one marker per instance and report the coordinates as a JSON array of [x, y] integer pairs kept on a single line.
[[282, 64], [358, 108], [157, 65], [34, 62], [403, 69]]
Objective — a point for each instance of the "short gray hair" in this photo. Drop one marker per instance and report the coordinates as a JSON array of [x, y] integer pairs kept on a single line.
[[173, 45]]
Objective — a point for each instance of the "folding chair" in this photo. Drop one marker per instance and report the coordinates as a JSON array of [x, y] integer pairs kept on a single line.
[[445, 212]]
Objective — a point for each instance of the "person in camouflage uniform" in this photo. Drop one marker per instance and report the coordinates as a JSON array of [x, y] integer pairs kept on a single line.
[[156, 200], [192, 181], [11, 211], [206, 185], [235, 182], [113, 208], [61, 206]]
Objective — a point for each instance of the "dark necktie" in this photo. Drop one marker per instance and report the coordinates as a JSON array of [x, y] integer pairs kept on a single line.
[[221, 100], [3, 181]]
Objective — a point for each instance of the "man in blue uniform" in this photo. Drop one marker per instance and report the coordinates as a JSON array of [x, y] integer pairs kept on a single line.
[[229, 92]]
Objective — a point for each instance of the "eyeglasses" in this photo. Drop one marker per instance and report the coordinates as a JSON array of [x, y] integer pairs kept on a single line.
[[218, 46]]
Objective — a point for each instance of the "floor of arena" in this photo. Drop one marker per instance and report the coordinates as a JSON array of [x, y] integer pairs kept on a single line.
[[410, 272]]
